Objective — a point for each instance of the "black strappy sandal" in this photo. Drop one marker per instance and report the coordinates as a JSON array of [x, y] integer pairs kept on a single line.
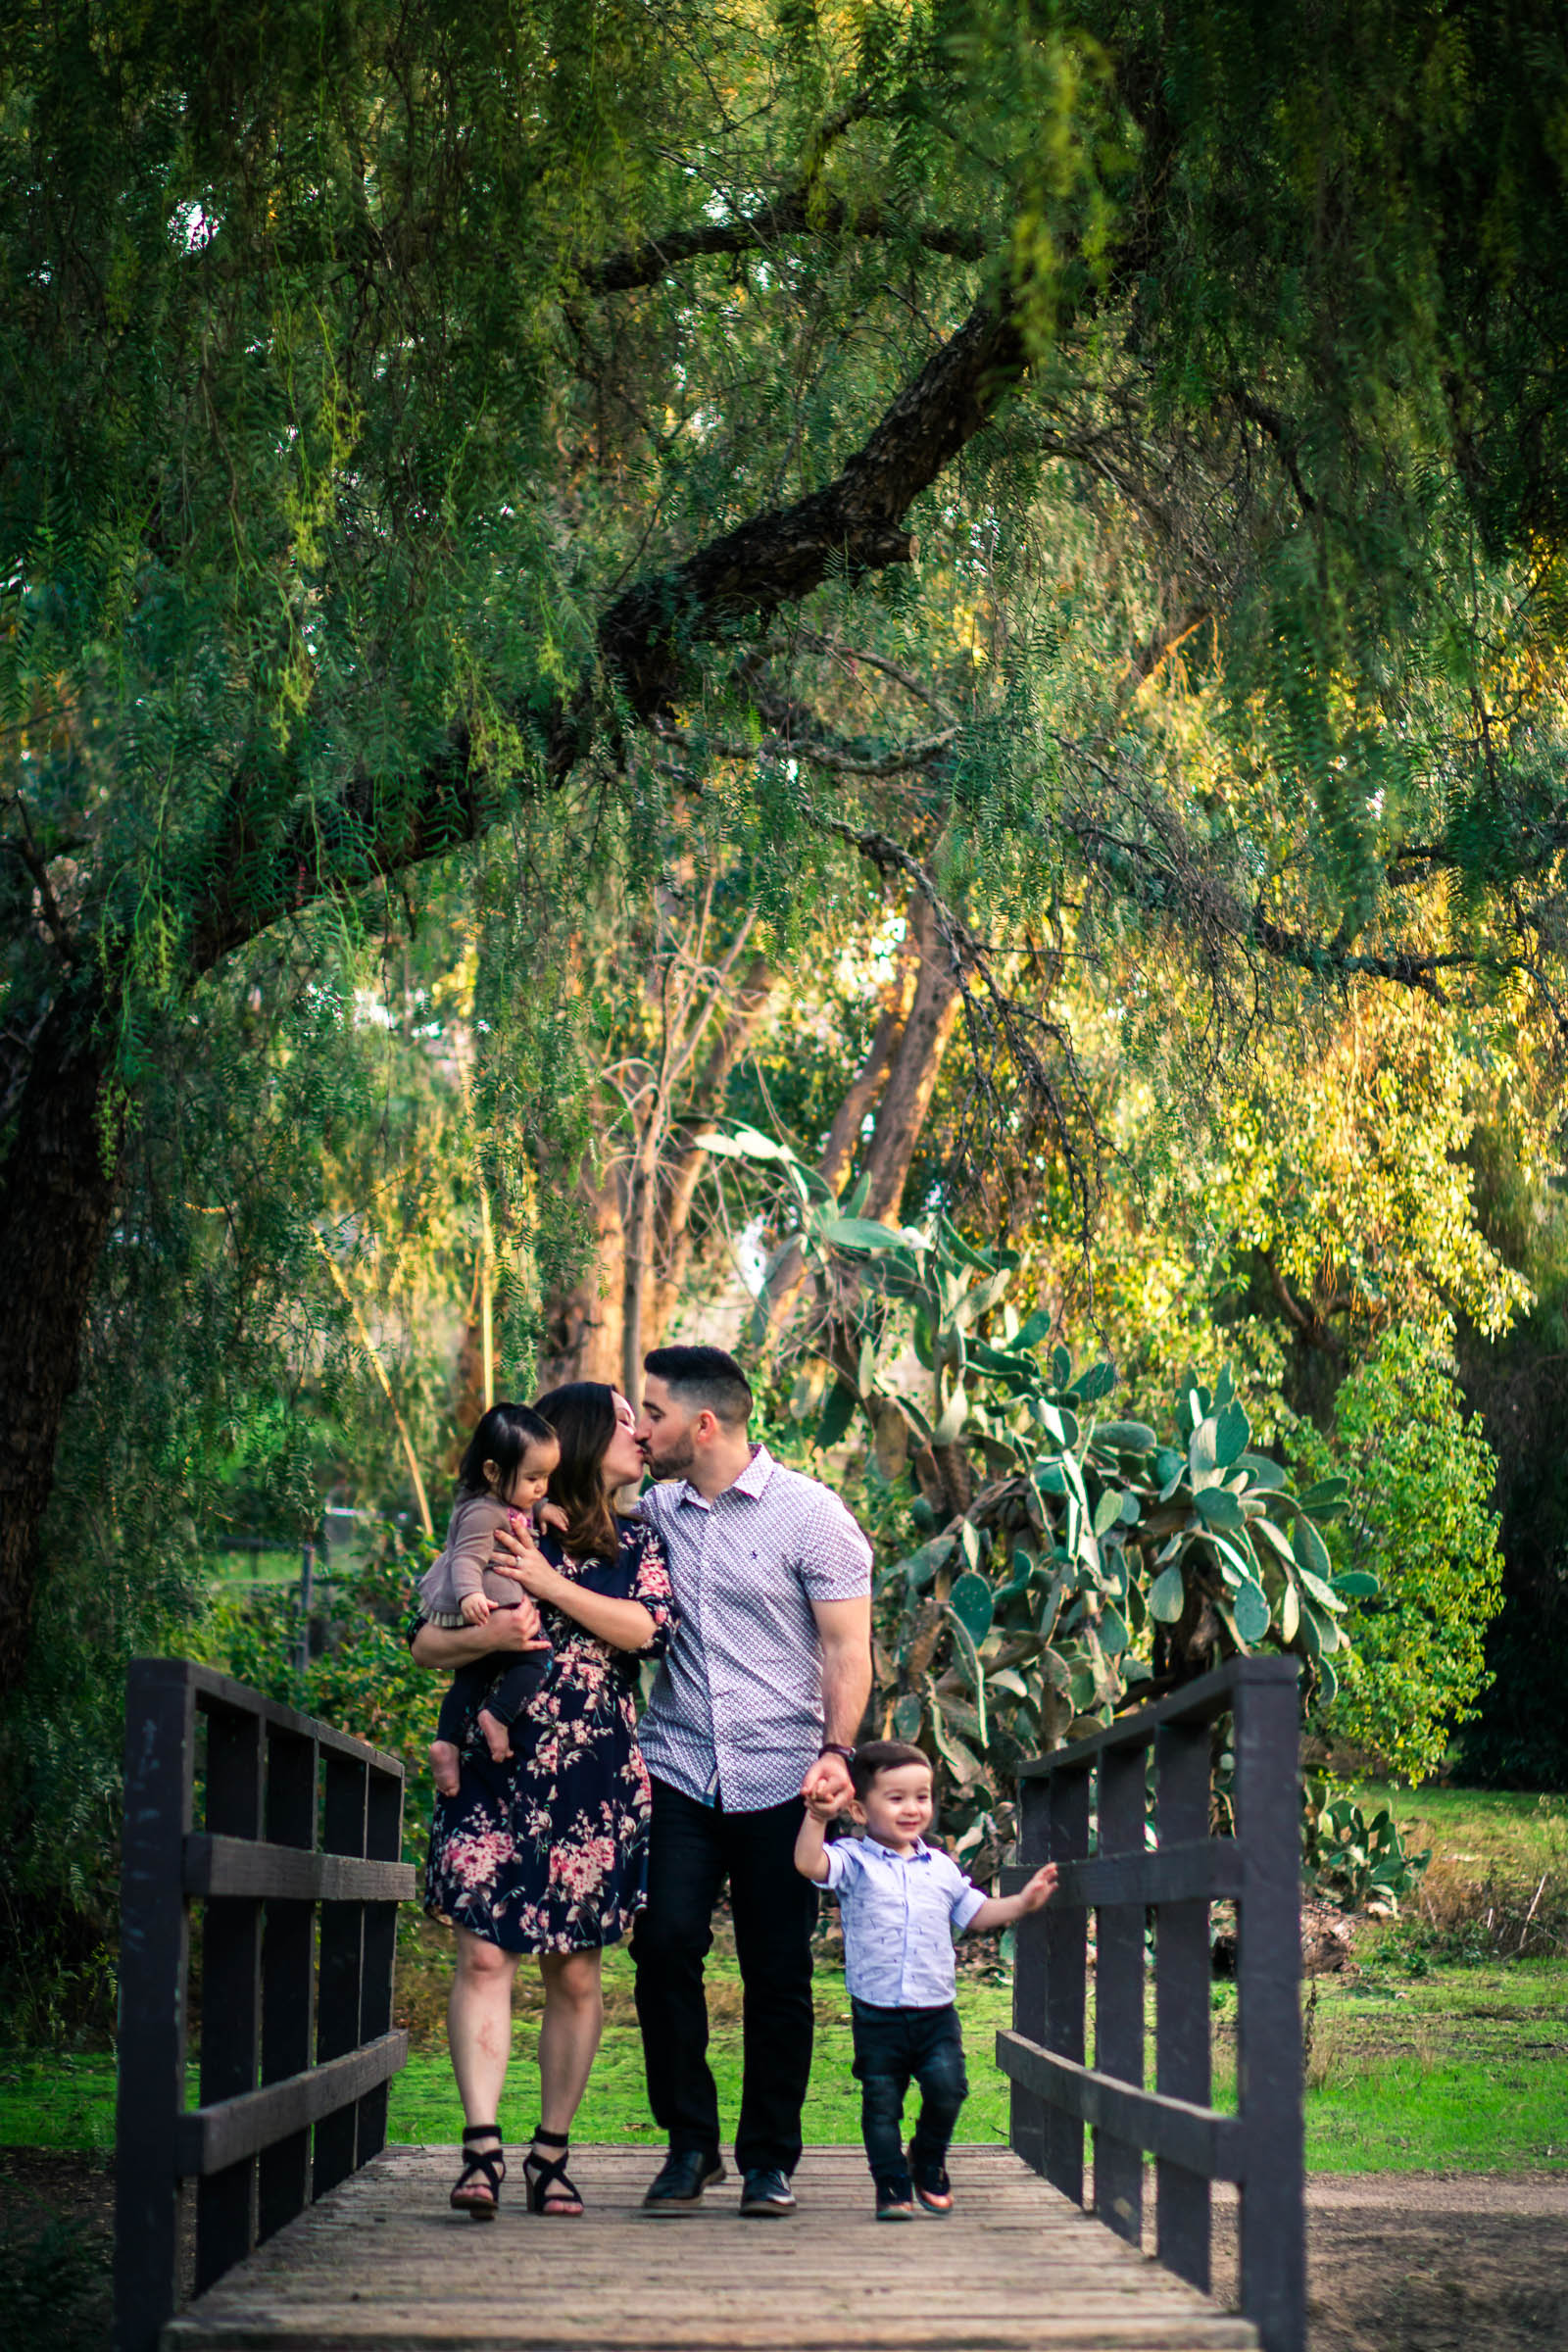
[[490, 2164], [548, 2178]]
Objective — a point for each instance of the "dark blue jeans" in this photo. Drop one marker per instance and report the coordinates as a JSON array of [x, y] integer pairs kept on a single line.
[[894, 2047]]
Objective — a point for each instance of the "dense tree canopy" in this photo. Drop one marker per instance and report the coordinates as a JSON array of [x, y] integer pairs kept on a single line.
[[980, 586]]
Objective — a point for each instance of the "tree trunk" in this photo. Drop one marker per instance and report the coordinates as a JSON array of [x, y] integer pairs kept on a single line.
[[584, 1325], [57, 1198], [917, 1066]]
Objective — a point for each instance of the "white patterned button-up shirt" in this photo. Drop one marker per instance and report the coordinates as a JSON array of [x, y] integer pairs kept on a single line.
[[901, 1913], [736, 1713]]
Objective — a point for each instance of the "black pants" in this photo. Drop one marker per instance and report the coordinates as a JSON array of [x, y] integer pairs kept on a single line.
[[521, 1674], [693, 1849], [894, 2047]]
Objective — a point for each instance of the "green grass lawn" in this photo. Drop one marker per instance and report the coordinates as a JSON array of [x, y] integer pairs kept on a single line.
[[1465, 2070]]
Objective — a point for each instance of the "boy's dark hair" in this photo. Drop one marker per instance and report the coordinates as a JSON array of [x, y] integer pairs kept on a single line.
[[704, 1377], [506, 1436], [882, 1755]]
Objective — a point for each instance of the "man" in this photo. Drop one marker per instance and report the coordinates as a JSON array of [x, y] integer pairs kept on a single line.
[[757, 1705]]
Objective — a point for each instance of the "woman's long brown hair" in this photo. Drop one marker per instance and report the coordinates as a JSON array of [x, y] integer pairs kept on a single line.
[[582, 1415]]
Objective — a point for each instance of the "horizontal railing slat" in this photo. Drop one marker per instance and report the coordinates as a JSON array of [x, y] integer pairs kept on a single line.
[[1198, 1702], [209, 2138], [1193, 2138], [244, 1866], [212, 1688], [1174, 1874]]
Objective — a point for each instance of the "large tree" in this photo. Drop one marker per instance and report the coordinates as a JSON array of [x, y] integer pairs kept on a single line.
[[408, 414]]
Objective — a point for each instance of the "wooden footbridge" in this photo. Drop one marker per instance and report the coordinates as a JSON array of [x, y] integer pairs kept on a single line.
[[274, 2214]]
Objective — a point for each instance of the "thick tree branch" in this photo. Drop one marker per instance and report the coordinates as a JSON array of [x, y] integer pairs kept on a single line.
[[791, 215]]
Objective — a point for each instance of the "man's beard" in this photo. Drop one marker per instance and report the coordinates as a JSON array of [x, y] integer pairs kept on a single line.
[[673, 1460]]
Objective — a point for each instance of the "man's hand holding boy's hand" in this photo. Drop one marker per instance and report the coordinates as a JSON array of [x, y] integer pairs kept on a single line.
[[822, 1803]]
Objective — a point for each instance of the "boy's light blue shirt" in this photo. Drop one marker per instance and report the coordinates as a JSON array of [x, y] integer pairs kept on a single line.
[[901, 1913]]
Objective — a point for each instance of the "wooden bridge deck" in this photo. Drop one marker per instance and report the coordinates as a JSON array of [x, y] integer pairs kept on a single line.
[[381, 2262]]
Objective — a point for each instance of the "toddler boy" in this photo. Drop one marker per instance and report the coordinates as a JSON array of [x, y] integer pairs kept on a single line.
[[902, 1903]]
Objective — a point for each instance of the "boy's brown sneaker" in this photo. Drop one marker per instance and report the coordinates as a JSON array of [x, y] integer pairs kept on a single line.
[[894, 2202], [932, 2186]]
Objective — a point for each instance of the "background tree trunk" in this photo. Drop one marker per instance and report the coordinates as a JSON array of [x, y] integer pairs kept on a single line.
[[57, 1197]]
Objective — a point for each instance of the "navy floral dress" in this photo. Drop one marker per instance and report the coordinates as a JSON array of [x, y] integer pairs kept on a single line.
[[548, 1852]]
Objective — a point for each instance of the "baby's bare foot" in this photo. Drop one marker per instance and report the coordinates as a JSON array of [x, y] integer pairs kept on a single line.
[[444, 1767], [497, 1736]]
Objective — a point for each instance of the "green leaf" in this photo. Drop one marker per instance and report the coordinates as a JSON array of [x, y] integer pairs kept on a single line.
[[1311, 1552], [953, 1415], [1167, 1595], [1326, 1497], [1097, 1382], [1323, 1593], [1262, 1475], [1289, 1613], [1125, 1436], [1112, 1633], [970, 1538], [837, 1414], [908, 1713], [1107, 1510], [1033, 1328], [1358, 1584], [865, 1233], [1233, 1434], [1201, 1456], [970, 1602], [1252, 1612], [1219, 1508], [964, 1766], [1004, 1679]]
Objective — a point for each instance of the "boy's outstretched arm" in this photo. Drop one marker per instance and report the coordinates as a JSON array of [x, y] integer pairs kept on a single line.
[[1001, 1910], [811, 1856]]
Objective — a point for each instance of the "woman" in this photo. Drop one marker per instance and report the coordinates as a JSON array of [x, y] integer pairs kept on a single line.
[[547, 1852]]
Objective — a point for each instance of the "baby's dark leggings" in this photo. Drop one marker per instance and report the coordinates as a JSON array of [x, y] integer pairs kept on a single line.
[[521, 1674]]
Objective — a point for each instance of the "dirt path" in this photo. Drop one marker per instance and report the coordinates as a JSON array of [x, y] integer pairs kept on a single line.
[[1416, 2262]]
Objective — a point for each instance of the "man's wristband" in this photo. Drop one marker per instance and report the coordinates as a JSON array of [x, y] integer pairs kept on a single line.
[[831, 1747]]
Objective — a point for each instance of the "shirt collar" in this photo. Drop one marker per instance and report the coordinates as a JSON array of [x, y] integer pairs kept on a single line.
[[751, 1482], [921, 1853]]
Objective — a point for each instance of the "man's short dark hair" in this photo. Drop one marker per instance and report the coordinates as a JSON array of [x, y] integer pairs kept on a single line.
[[705, 1378], [882, 1755]]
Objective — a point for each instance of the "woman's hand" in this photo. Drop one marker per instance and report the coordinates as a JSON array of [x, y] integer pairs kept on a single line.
[[525, 1564]]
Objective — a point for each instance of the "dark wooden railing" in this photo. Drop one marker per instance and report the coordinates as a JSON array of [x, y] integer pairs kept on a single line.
[[297, 1824], [1056, 2094]]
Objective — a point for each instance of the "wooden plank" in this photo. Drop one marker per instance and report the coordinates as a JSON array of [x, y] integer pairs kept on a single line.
[[380, 2264], [1196, 1702], [1066, 1964], [1026, 2124], [341, 1966], [253, 1868], [154, 1959], [1182, 2065], [1121, 1802], [1205, 1869], [288, 1976], [214, 1689], [1272, 2228], [1193, 2137], [209, 2138], [231, 1990]]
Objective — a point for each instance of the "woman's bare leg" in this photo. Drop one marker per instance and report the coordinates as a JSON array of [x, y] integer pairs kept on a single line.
[[569, 2038], [479, 2024]]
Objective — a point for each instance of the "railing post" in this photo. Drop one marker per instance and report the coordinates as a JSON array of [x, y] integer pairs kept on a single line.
[[231, 1989], [383, 1842], [288, 1978], [1066, 1941], [1026, 2128], [337, 2027], [153, 1959], [1119, 1989], [1268, 2014], [1181, 1996]]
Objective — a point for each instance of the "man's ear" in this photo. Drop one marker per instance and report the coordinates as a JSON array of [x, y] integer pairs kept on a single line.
[[704, 1427]]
